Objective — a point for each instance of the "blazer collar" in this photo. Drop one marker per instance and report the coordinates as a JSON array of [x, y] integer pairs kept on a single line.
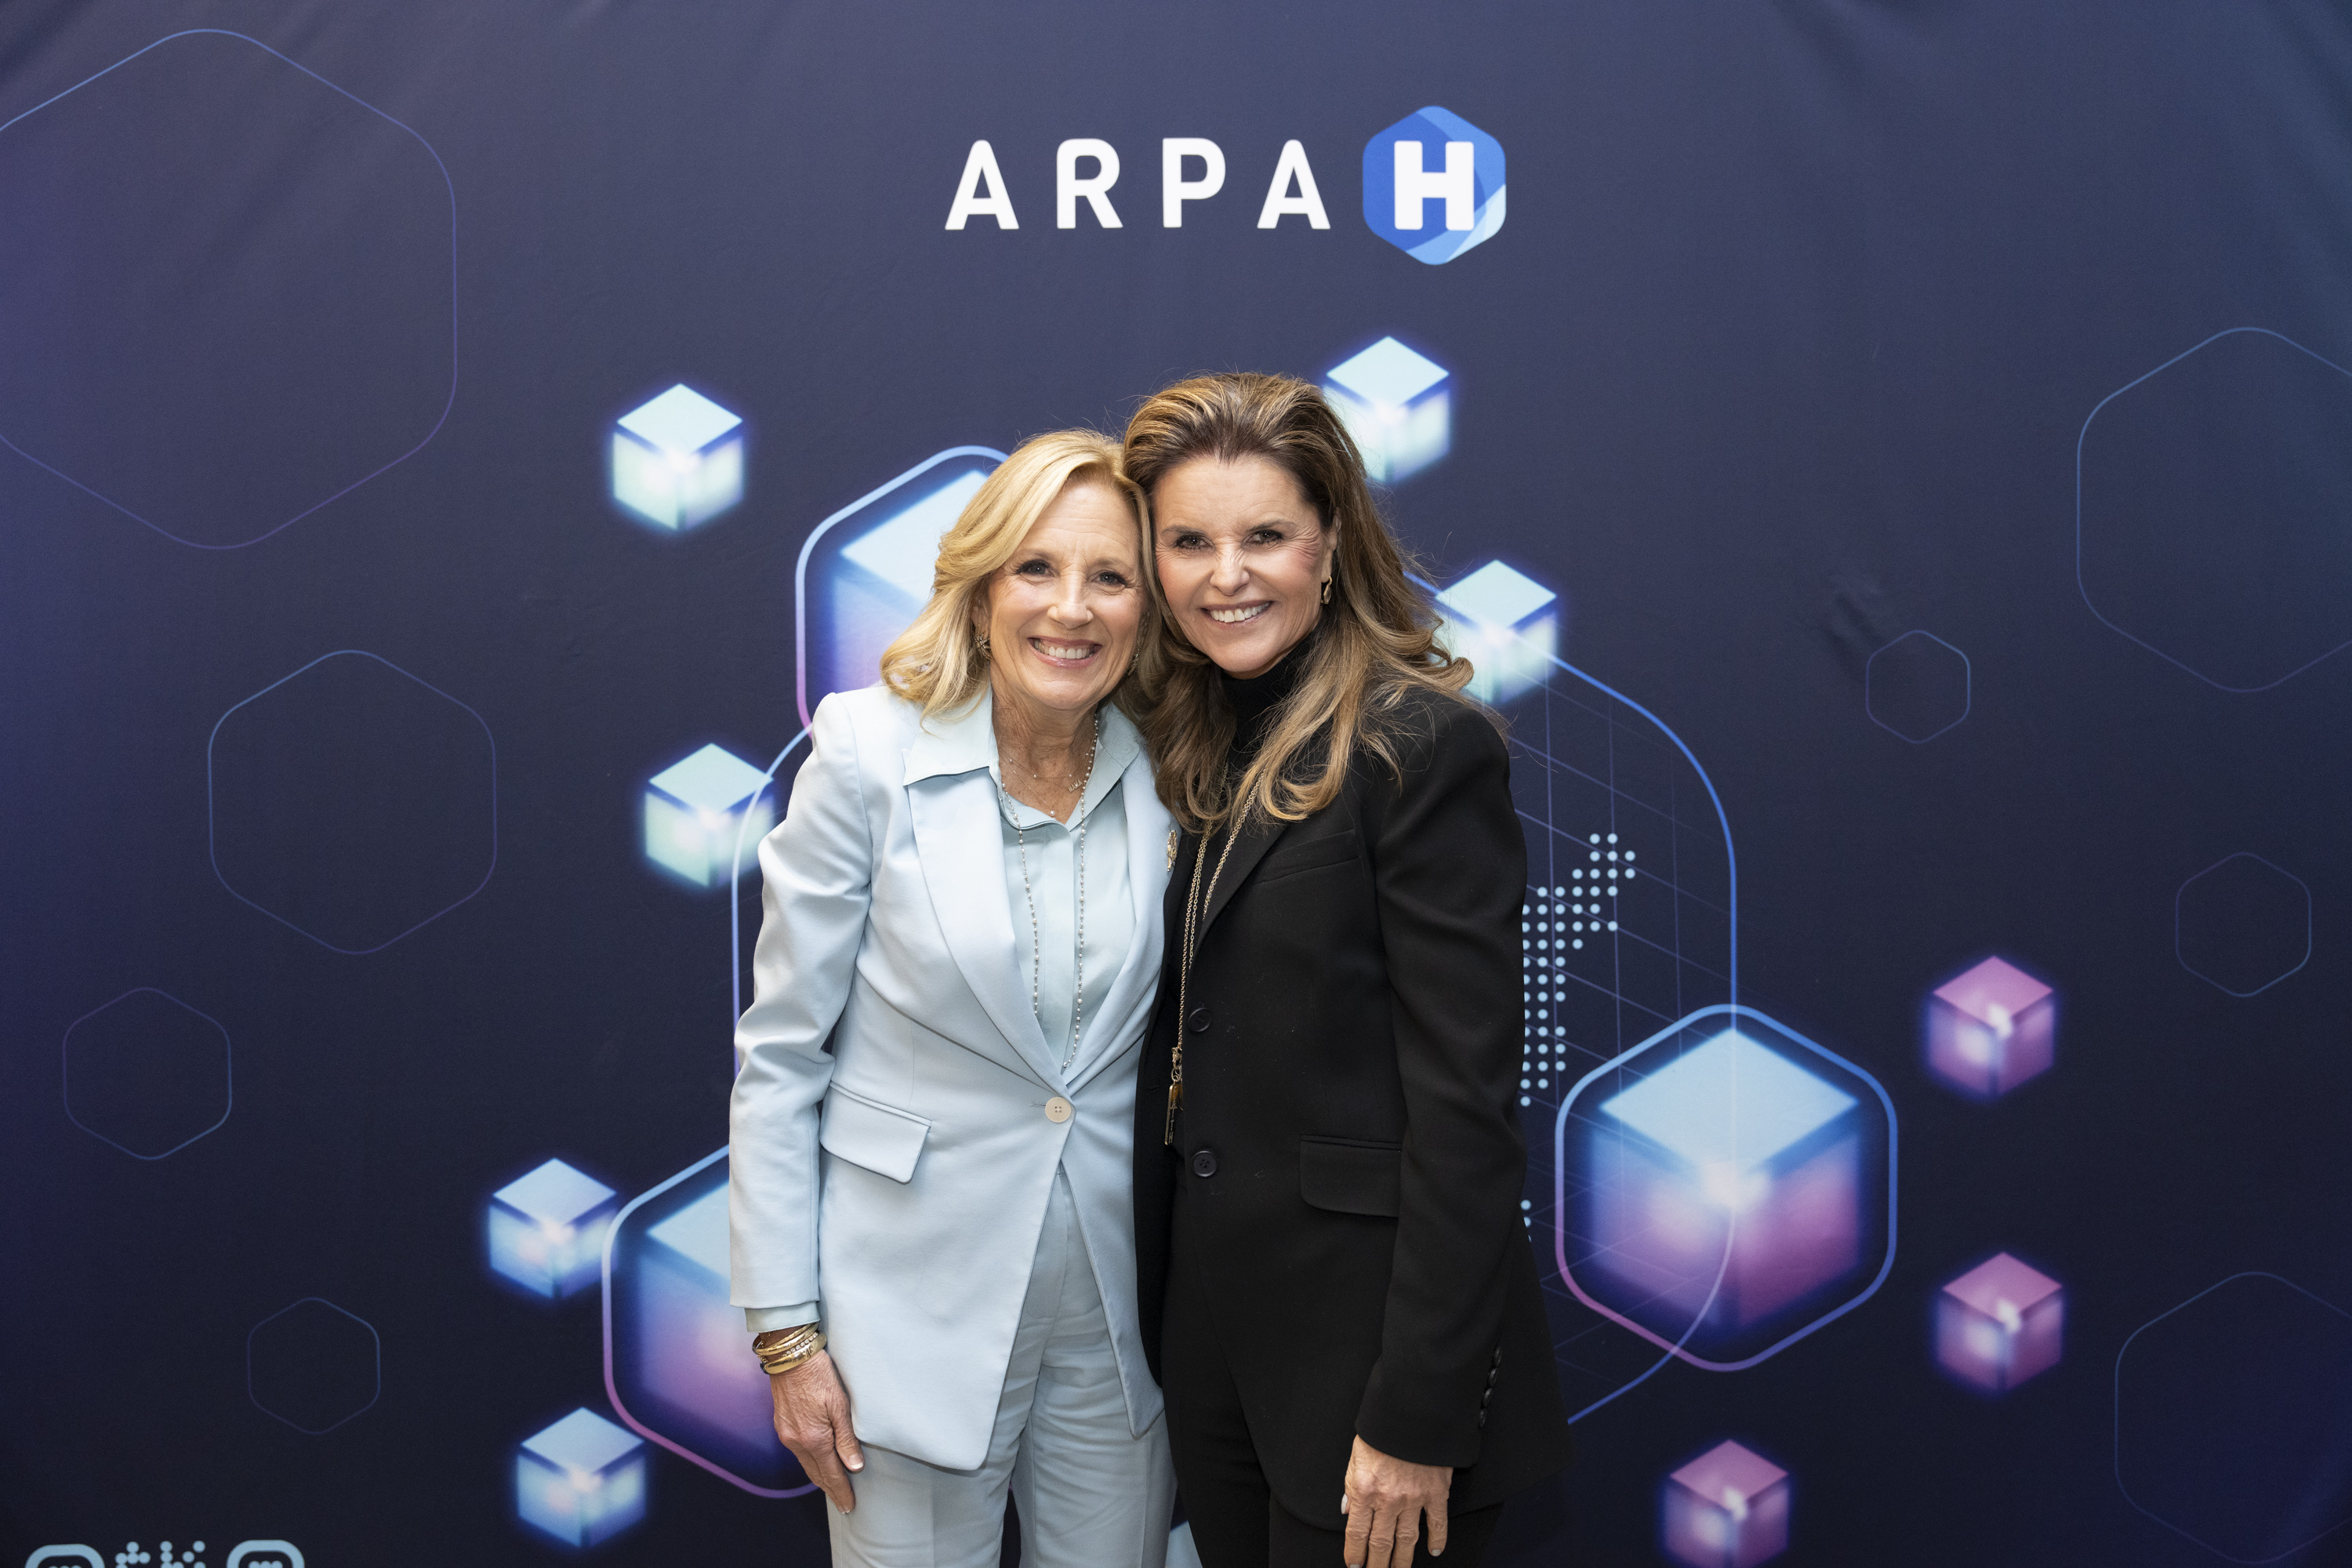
[[1257, 835], [952, 802], [950, 744], [960, 743], [1148, 828], [951, 787]]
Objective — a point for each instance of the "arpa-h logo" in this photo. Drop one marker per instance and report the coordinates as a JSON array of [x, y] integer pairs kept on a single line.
[[1433, 184]]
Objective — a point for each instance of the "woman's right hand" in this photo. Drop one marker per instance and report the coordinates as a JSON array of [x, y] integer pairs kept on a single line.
[[812, 1419]]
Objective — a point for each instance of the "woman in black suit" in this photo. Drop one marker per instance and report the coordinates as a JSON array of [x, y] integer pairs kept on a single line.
[[1335, 1282]]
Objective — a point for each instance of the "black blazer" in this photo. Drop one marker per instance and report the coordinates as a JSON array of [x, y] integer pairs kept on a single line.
[[1352, 1064]]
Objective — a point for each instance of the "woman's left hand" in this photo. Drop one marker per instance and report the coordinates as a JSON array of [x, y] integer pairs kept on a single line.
[[1384, 1503]]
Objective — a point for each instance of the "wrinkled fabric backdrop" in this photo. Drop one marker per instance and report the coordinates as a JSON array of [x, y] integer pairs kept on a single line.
[[1917, 441]]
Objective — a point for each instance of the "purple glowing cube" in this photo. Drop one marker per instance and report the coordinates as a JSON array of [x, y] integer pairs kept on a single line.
[[1991, 1029], [1727, 1508], [1731, 1186], [1999, 1324], [693, 1353]]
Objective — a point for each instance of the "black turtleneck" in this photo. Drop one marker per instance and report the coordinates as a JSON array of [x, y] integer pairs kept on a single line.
[[1255, 699]]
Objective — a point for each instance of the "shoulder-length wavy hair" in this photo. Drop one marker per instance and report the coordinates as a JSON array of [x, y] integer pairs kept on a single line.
[[937, 663], [1375, 641]]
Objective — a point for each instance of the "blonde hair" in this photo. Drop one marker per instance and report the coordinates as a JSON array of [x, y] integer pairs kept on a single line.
[[1374, 642], [937, 663]]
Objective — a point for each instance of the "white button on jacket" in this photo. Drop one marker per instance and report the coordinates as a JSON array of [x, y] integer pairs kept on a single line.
[[900, 1178]]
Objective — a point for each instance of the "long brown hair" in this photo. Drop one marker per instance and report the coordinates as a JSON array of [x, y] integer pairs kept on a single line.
[[1376, 639]]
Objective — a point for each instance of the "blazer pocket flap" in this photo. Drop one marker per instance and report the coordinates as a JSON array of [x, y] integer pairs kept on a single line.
[[1349, 1177], [883, 1141], [1334, 849]]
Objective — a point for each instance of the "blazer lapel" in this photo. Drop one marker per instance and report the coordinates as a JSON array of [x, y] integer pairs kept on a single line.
[[1148, 827], [1257, 836], [963, 851]]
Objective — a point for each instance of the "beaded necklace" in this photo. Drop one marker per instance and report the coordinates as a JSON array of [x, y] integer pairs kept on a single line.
[[1036, 943]]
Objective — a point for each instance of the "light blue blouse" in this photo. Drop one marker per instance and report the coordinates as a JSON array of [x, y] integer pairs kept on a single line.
[[1048, 947]]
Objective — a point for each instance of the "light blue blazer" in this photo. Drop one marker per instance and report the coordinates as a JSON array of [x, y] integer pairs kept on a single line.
[[900, 1178]]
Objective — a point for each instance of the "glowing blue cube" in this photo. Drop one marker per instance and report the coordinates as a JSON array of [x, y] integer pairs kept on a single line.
[[883, 575], [699, 810], [693, 1355], [1398, 405], [1506, 625], [1731, 1187], [582, 1480], [547, 1229], [678, 459]]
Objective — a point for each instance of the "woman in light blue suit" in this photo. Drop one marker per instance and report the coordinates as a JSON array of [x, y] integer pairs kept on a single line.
[[930, 1161]]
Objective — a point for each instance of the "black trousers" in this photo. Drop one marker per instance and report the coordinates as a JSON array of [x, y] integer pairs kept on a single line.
[[1237, 1523]]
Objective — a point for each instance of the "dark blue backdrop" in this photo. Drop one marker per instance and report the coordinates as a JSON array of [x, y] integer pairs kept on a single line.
[[1813, 327]]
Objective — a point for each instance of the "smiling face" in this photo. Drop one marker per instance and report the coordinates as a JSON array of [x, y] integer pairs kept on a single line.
[[1242, 557], [1061, 617]]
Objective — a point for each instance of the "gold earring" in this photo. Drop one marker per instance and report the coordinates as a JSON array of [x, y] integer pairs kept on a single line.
[[982, 647], [1327, 590]]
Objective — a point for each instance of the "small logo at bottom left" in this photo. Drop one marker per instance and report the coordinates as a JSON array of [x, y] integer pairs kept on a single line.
[[244, 1554]]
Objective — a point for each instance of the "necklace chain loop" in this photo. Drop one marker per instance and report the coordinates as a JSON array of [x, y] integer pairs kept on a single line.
[[1196, 906], [1036, 942]]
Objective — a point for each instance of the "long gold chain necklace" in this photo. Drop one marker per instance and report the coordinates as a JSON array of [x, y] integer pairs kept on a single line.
[[1196, 904]]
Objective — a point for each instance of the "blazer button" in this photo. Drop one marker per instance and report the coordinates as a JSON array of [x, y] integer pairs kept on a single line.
[[1204, 1163], [1199, 1020], [1057, 1110], [1482, 1418]]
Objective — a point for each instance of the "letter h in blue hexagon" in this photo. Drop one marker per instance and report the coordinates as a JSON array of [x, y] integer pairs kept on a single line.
[[1434, 185]]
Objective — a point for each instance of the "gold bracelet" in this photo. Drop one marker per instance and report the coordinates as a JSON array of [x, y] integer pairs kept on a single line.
[[784, 1350], [774, 1365], [784, 1341]]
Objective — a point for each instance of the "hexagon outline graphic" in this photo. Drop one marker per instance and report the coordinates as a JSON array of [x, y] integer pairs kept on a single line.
[[800, 687], [1677, 1350], [374, 1339], [2083, 589], [228, 1053], [1967, 689], [612, 1384], [212, 850], [2118, 1425], [448, 404], [2182, 890], [800, 567]]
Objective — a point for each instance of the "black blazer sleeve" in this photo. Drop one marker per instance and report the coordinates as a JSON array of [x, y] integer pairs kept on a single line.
[[1449, 865]]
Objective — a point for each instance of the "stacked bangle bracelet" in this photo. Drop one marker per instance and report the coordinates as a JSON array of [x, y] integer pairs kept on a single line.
[[781, 1350]]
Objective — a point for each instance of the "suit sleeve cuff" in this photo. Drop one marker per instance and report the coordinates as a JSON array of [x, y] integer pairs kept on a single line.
[[761, 1319], [1420, 1431]]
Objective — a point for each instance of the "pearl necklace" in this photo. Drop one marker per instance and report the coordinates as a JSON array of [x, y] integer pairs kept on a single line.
[[1036, 942]]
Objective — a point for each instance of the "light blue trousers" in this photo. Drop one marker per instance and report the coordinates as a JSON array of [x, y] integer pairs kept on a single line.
[[1090, 1493]]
